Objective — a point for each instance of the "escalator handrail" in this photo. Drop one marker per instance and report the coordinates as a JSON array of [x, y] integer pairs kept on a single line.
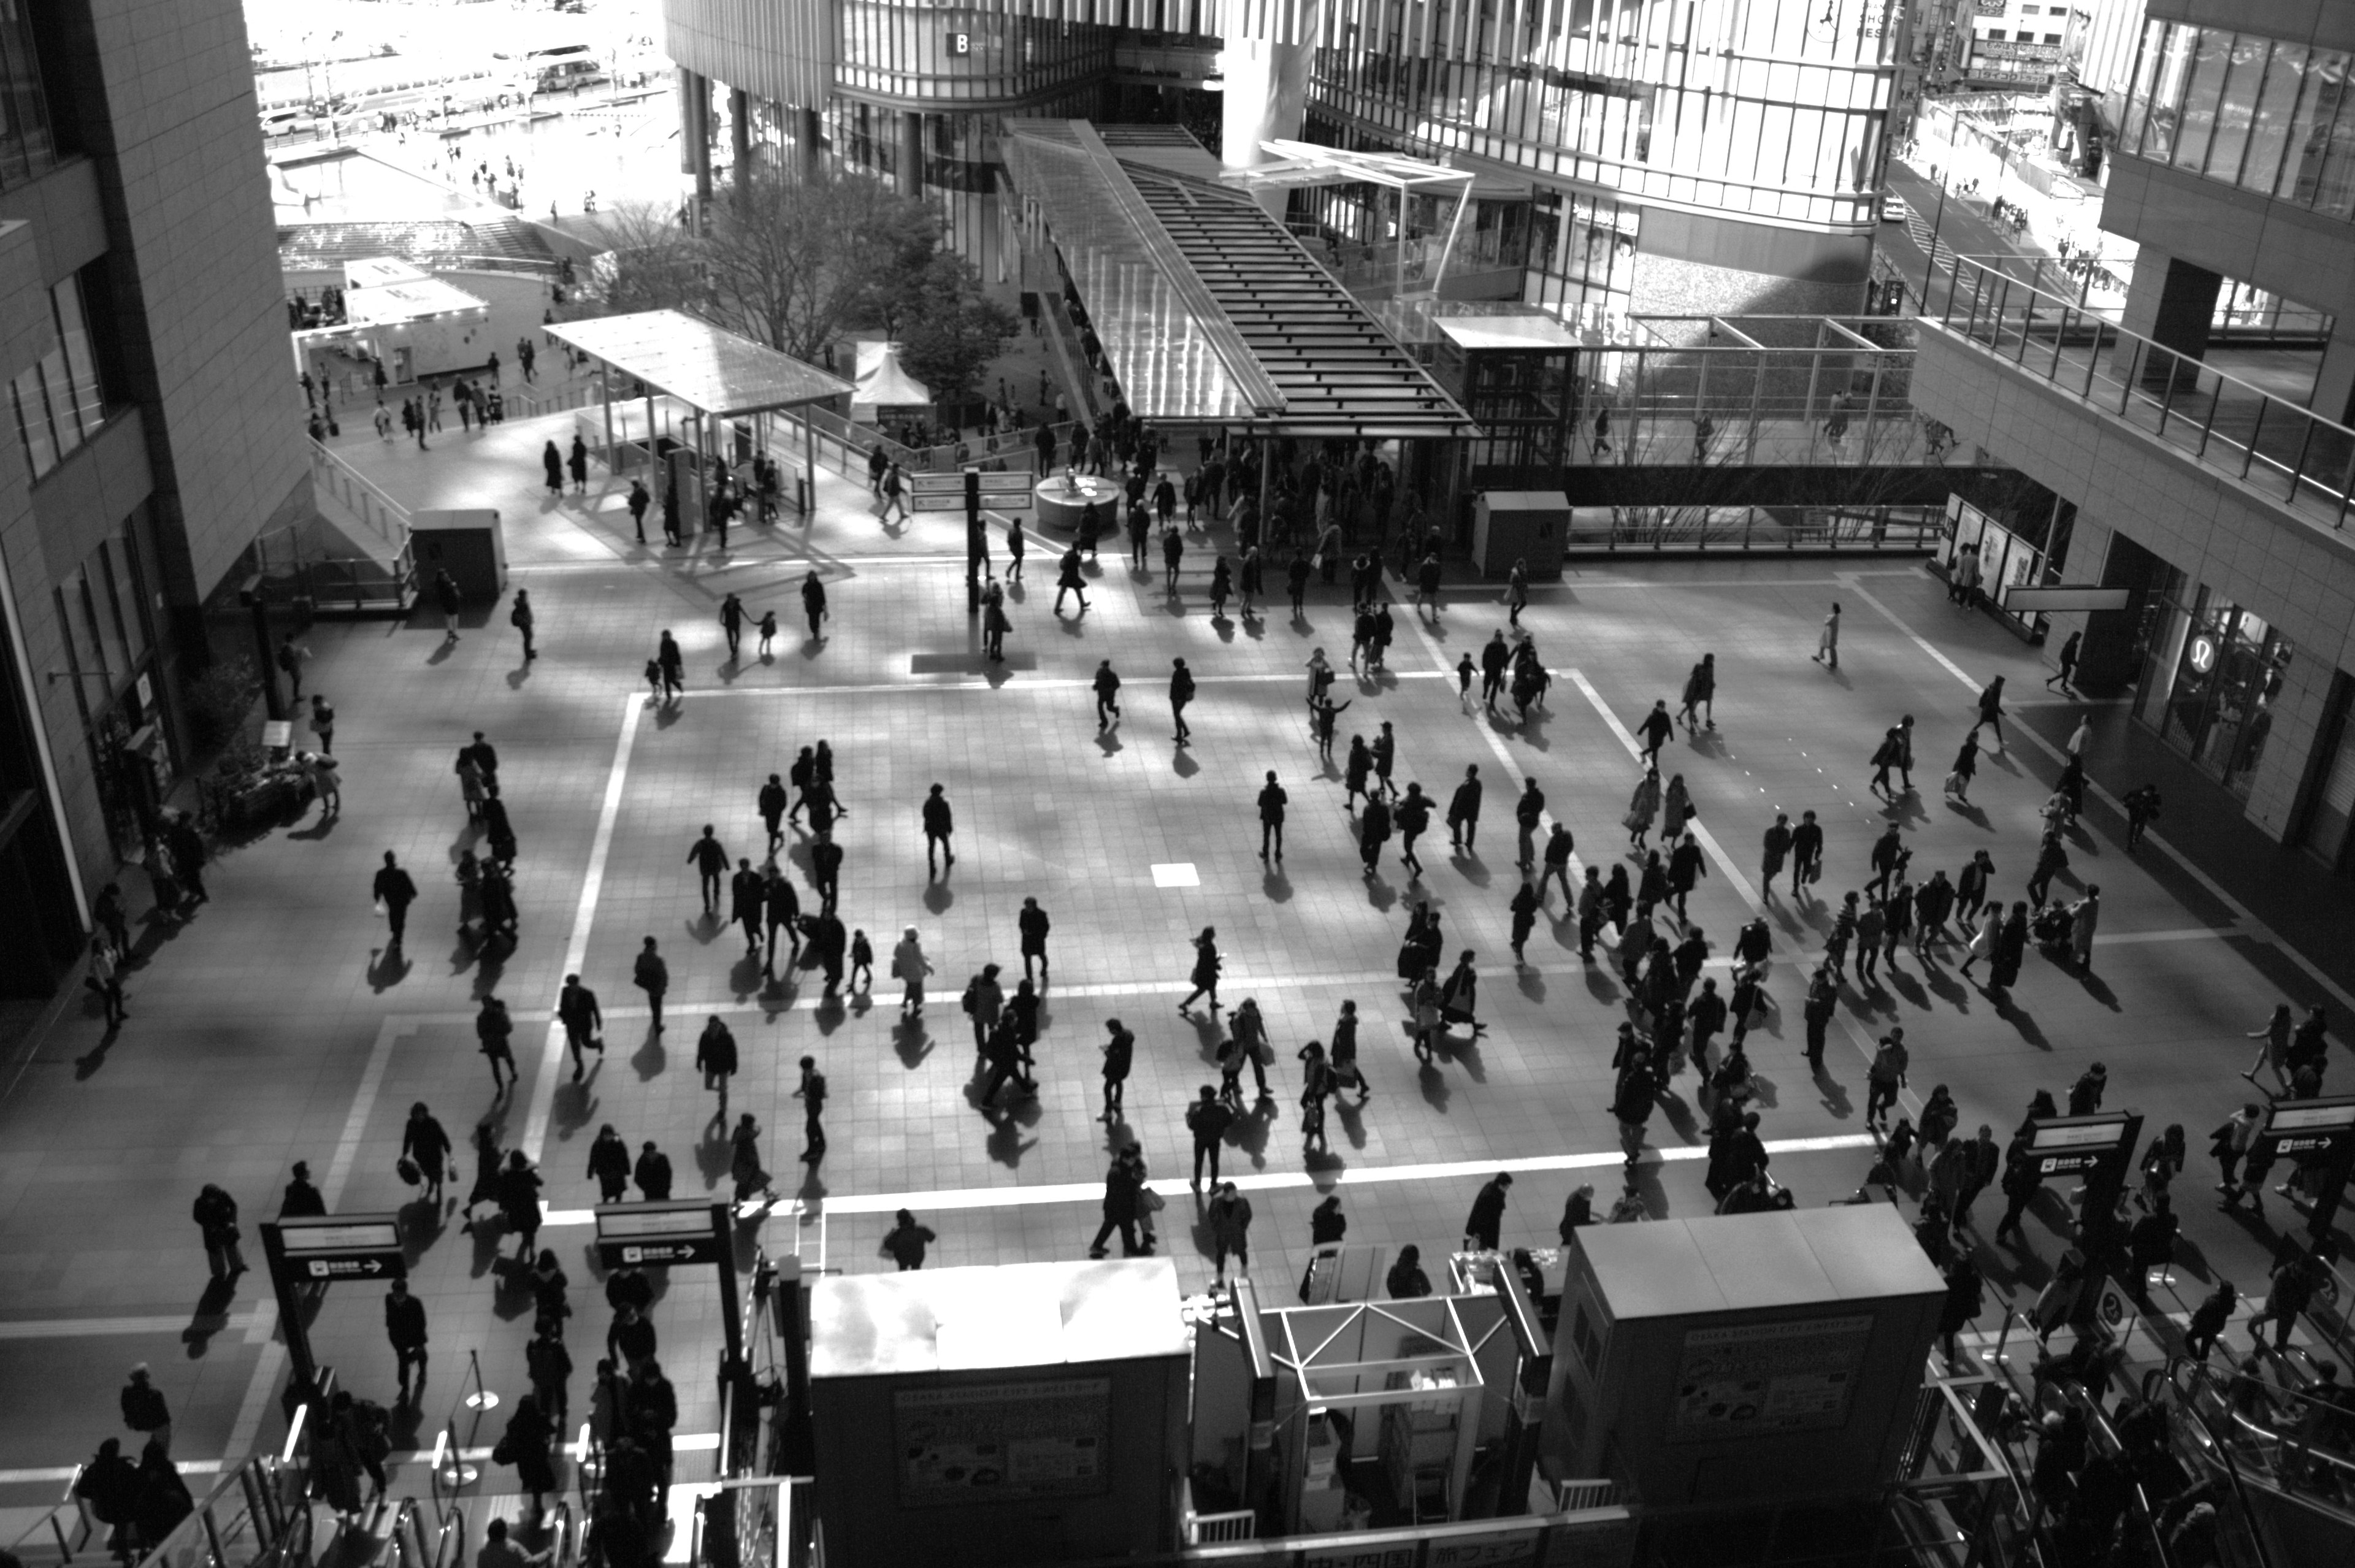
[[453, 1530], [2223, 1451], [2098, 1423], [2208, 1378], [561, 1546]]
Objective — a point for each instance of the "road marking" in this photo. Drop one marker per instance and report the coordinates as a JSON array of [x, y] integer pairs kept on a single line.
[[94, 1328], [2250, 925], [1048, 1194], [584, 915], [685, 1442], [1726, 867]]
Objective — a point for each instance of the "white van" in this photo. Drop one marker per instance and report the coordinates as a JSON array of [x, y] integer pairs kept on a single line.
[[287, 121]]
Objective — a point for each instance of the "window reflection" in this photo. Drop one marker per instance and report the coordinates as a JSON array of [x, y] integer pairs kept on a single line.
[[2265, 116]]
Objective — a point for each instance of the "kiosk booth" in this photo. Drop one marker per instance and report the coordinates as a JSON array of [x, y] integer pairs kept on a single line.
[[1024, 1413], [1765, 1360]]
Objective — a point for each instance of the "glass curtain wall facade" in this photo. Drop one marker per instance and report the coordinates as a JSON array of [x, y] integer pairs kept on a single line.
[[27, 147], [2263, 114], [1767, 111]]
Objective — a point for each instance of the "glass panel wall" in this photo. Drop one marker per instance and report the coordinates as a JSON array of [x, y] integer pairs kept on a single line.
[[2265, 116], [2210, 685], [1757, 110], [27, 147]]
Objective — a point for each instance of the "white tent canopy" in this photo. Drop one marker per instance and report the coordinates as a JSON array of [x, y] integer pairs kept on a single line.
[[882, 384]]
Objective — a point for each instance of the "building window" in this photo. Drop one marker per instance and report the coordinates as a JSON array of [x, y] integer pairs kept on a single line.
[[58, 400], [2267, 116], [26, 147], [2210, 686]]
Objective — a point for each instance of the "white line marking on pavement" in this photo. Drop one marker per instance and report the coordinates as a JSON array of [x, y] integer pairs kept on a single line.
[[2250, 924], [90, 1328], [256, 1403], [1726, 867], [576, 947], [1051, 1193]]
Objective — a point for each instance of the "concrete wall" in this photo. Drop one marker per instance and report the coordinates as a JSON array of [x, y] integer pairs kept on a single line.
[[2243, 546], [166, 108]]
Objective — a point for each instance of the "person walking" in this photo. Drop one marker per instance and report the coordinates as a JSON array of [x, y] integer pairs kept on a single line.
[[1181, 692], [1641, 807], [609, 1165], [577, 1010], [715, 1058], [2068, 665], [1482, 1228], [1807, 852], [1208, 1118], [551, 464], [144, 1410], [1106, 684], [814, 608], [394, 892], [1529, 813], [1122, 1186], [579, 465], [405, 1330], [215, 1214], [640, 499], [670, 665], [1069, 579], [811, 1093], [1885, 1076], [1991, 709], [1827, 641], [1228, 1214], [1033, 925], [1655, 731], [709, 859], [1464, 811], [732, 625], [1272, 801], [1120, 1056], [426, 1145], [905, 1243], [939, 827], [909, 966], [1701, 692], [652, 976], [1204, 972], [895, 494]]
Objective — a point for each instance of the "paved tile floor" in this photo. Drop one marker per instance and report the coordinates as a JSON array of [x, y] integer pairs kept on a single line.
[[279, 1027]]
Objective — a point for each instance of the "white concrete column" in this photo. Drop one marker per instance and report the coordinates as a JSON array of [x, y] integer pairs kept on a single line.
[[1267, 97]]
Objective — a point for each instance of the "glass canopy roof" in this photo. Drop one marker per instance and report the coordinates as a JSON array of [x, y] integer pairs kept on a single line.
[[701, 365]]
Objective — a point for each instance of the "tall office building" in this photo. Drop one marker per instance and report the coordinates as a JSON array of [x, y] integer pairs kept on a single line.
[[1663, 155], [2209, 458], [157, 427]]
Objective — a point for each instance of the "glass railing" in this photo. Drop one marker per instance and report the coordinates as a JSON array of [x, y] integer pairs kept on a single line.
[[2284, 451], [2272, 1433]]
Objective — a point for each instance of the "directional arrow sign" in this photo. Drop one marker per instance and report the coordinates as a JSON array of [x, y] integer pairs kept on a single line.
[[393, 1267], [338, 1246], [642, 1235]]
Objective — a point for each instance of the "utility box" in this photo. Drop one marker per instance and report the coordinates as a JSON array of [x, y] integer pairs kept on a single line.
[[1519, 524], [467, 544], [1748, 1358], [1026, 1413]]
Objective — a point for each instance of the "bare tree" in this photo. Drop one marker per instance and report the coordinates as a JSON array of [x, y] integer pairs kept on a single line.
[[794, 262], [648, 262]]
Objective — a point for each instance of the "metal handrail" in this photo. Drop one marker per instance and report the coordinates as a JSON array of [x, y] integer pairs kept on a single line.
[[2213, 1443], [2098, 1423], [361, 495], [2020, 315], [50, 1522], [562, 1538], [2205, 1379], [450, 1544]]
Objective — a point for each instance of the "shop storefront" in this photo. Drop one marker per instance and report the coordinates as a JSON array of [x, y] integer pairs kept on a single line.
[[2007, 560], [110, 656], [2210, 678]]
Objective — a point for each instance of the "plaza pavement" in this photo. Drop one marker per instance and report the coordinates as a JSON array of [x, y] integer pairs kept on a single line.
[[277, 1027]]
